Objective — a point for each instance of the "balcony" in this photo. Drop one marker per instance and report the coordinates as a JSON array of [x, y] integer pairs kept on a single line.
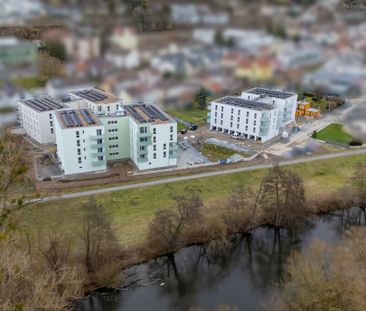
[[145, 152], [209, 107], [98, 145], [173, 154], [173, 147], [99, 163], [142, 160], [96, 137], [97, 154], [147, 134], [263, 131], [144, 143]]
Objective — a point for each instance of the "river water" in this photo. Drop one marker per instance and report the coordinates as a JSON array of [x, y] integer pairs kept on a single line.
[[242, 273]]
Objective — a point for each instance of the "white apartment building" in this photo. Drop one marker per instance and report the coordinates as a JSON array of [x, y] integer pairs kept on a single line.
[[37, 117], [80, 141], [140, 132], [257, 114], [153, 137]]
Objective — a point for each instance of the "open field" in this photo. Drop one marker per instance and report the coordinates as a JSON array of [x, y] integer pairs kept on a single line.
[[131, 210], [215, 153], [334, 132], [195, 115]]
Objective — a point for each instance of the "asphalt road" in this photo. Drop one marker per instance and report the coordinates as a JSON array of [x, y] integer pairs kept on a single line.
[[197, 176]]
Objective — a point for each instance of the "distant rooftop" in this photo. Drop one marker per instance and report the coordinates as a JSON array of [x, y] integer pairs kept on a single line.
[[77, 118], [241, 102], [271, 93], [146, 113], [96, 96], [44, 103]]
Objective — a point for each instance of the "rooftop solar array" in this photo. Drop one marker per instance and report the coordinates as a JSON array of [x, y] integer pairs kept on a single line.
[[92, 95], [77, 118], [240, 102], [144, 113], [44, 103], [270, 92]]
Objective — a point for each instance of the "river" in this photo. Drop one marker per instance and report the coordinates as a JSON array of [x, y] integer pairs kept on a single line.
[[242, 273]]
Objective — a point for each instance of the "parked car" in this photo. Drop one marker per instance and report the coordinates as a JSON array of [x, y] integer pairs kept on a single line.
[[184, 131], [193, 127]]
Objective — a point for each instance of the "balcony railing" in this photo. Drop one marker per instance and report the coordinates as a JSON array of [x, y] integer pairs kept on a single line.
[[99, 163], [142, 160], [97, 154], [96, 137], [144, 143], [98, 145], [173, 154], [173, 146]]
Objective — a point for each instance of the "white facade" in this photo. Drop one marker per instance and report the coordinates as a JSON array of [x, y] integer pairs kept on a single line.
[[80, 148], [37, 118], [257, 114], [153, 145]]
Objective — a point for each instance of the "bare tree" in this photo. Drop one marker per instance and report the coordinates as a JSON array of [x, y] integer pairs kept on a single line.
[[166, 228], [359, 183], [282, 199]]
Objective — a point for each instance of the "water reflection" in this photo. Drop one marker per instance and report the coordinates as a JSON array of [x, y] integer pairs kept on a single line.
[[241, 273]]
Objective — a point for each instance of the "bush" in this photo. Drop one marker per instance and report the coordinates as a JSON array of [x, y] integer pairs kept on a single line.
[[355, 143]]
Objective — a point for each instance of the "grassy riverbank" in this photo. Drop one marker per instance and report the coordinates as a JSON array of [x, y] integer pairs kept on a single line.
[[131, 211]]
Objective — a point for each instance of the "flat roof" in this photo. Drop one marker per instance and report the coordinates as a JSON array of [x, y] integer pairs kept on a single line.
[[147, 113], [77, 118], [271, 93], [96, 96], [244, 103], [44, 103]]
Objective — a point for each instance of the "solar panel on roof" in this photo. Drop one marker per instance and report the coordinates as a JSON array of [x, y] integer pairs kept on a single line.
[[91, 95]]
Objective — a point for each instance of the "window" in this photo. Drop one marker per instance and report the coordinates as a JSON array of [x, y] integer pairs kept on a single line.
[[222, 115], [222, 108], [154, 139], [142, 147], [100, 158], [78, 143], [79, 160], [99, 149], [50, 115], [232, 110], [246, 121], [215, 107], [246, 127], [171, 137], [154, 130], [112, 122], [238, 112], [142, 139], [113, 146], [79, 151], [238, 119], [164, 146], [108, 108], [77, 134], [255, 116], [164, 154], [154, 155], [171, 129], [254, 129], [51, 130], [143, 129], [237, 126], [154, 147], [247, 113], [215, 120], [51, 123], [232, 118], [220, 122], [231, 124], [112, 130], [114, 154], [142, 156], [215, 114], [99, 108]]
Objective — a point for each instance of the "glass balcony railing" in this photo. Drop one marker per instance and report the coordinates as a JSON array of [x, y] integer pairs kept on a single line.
[[173, 147], [142, 160], [96, 137], [173, 154], [97, 154], [142, 152], [144, 143], [99, 163], [144, 134], [98, 145]]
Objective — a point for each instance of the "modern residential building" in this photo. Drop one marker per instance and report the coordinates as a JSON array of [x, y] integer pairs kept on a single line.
[[97, 128], [153, 137], [257, 114], [37, 118], [80, 141]]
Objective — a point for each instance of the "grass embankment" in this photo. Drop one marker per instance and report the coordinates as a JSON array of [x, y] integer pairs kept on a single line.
[[335, 133], [215, 153], [195, 115], [131, 211]]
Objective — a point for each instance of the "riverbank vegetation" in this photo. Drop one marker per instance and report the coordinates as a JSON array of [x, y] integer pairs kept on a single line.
[[67, 248]]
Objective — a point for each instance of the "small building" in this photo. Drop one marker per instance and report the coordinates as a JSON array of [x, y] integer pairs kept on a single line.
[[37, 117], [80, 141]]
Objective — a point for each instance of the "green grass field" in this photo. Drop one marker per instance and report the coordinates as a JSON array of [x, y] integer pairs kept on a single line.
[[215, 153], [195, 115], [334, 132], [130, 211], [30, 82]]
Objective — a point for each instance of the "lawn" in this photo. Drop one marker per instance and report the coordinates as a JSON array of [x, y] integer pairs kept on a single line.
[[130, 211], [335, 133], [194, 115], [215, 153], [180, 126], [30, 82]]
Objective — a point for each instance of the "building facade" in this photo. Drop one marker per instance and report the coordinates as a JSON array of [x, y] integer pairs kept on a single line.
[[36, 116], [258, 114], [80, 141]]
